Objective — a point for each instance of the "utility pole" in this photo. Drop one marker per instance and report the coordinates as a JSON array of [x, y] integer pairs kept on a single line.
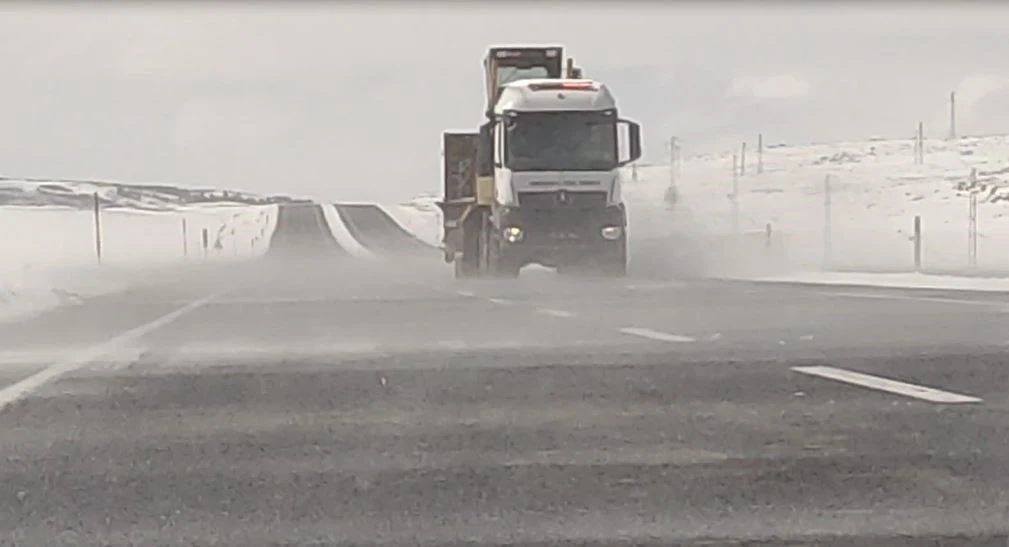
[[98, 229]]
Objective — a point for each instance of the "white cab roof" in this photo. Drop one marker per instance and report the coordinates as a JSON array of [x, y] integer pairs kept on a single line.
[[526, 46], [527, 96]]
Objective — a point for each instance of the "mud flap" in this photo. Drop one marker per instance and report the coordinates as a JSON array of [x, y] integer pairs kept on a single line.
[[470, 262]]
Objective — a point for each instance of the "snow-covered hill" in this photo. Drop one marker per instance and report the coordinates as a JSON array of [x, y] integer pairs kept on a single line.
[[875, 191], [80, 195]]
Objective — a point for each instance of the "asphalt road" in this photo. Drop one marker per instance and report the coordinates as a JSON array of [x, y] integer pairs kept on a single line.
[[378, 232], [314, 400]]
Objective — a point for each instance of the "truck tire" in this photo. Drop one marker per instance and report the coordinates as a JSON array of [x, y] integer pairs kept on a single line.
[[467, 264], [615, 265], [502, 266], [461, 270], [506, 270], [614, 268]]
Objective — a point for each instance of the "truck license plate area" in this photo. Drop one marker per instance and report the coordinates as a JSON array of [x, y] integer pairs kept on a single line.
[[562, 199]]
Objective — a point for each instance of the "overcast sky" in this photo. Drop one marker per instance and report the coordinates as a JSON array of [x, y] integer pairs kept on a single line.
[[345, 102]]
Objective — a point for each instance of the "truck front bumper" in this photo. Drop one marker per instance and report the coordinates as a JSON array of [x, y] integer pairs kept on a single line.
[[553, 237]]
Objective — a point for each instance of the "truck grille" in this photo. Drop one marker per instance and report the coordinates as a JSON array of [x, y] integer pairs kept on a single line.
[[562, 199], [560, 226]]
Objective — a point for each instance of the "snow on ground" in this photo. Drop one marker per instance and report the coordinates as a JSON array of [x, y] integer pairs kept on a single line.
[[153, 197], [50, 255], [342, 234], [876, 190], [236, 231], [419, 216], [895, 280]]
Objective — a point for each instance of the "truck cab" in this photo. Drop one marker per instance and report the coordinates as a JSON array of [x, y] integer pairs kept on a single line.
[[552, 149]]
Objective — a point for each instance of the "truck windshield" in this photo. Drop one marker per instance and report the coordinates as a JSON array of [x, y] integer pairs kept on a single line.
[[508, 74], [561, 141]]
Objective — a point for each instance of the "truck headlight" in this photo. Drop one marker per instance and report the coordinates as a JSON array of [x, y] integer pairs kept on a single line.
[[513, 234], [612, 233]]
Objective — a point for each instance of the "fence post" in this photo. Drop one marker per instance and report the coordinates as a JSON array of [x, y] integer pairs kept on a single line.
[[917, 243], [185, 239], [206, 243], [919, 144], [98, 229], [735, 193], [972, 233], [767, 235], [742, 160], [760, 153], [674, 160], [827, 226], [952, 115]]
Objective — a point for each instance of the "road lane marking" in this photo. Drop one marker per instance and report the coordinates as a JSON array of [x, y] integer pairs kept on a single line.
[[656, 335], [937, 299], [13, 392], [656, 285], [884, 384], [555, 313], [499, 301], [468, 294]]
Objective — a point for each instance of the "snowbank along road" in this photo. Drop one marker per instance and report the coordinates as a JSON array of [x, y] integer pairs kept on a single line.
[[311, 398]]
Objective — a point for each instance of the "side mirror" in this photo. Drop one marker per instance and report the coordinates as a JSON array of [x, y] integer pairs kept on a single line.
[[633, 142], [485, 150]]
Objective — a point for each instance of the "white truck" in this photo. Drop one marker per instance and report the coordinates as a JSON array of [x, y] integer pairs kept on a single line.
[[540, 183]]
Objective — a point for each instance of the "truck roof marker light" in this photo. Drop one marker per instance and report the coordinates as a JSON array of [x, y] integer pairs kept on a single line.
[[561, 86]]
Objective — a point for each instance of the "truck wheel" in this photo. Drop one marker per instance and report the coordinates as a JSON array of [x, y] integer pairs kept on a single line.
[[567, 270], [460, 269], [502, 266], [614, 268], [467, 264], [508, 270], [616, 265]]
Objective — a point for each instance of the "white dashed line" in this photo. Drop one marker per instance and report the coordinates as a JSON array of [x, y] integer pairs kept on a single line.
[[656, 335], [884, 384], [555, 313], [468, 294], [499, 301], [655, 286]]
